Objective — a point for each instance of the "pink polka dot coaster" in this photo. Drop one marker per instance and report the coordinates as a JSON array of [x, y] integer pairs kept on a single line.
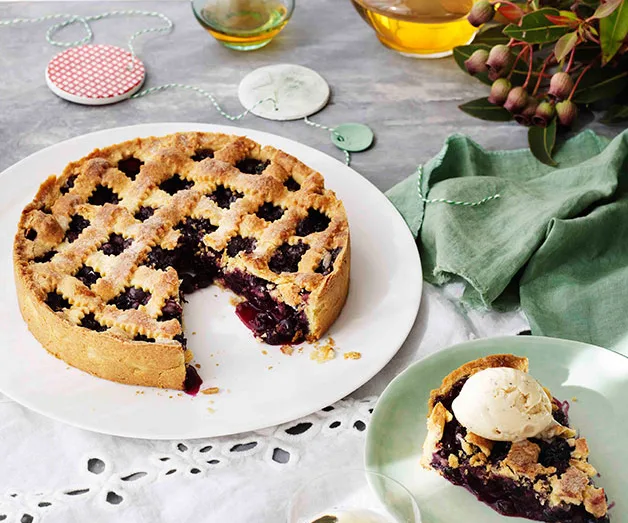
[[95, 74]]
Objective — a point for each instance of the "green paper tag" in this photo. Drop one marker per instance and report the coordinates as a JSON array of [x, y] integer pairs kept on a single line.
[[353, 137]]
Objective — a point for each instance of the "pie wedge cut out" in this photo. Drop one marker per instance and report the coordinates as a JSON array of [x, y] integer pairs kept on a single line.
[[544, 479]]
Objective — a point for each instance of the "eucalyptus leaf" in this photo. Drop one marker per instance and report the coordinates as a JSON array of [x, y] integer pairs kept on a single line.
[[613, 31], [484, 110], [616, 113], [535, 28], [565, 45], [542, 141], [568, 14], [607, 8], [491, 36], [598, 84]]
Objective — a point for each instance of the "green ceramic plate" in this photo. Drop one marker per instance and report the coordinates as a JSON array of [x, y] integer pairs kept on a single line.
[[597, 378]]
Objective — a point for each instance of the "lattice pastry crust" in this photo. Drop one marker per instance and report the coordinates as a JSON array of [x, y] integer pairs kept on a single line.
[[98, 250]]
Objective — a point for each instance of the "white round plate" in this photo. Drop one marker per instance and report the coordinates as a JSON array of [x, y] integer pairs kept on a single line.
[[593, 380], [259, 386]]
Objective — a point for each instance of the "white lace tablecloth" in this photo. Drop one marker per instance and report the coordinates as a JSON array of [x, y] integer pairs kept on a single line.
[[52, 472]]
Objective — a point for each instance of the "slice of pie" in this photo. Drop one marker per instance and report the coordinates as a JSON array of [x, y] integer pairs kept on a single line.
[[546, 477], [105, 252]]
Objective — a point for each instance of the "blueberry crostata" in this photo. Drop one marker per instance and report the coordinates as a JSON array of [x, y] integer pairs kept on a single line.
[[497, 432], [105, 252]]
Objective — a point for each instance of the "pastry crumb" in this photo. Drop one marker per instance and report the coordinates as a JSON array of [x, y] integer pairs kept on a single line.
[[323, 354], [210, 410], [287, 350], [264, 352], [300, 350], [574, 399], [197, 365], [331, 342], [352, 355], [170, 397], [210, 390], [235, 300], [270, 367], [193, 333]]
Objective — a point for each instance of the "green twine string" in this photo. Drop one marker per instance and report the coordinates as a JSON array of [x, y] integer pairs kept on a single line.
[[85, 20], [232, 117], [446, 200], [204, 93], [335, 133]]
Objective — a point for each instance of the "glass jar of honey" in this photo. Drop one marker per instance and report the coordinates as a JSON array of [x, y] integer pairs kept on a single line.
[[419, 28]]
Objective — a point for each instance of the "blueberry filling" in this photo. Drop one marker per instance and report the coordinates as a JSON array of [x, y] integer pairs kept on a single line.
[[287, 257], [141, 337], [252, 166], [274, 322], [31, 234], [181, 339], [57, 302], [87, 275], [202, 154], [327, 263], [504, 495], [130, 298], [161, 259], [269, 212], [291, 184], [89, 322], [144, 213], [238, 244], [193, 230], [77, 224], [103, 195], [193, 381], [224, 197], [69, 183], [116, 245], [45, 257], [175, 184], [130, 166], [171, 311], [315, 221]]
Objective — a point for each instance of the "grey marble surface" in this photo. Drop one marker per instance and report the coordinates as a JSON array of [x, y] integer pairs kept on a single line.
[[410, 104]]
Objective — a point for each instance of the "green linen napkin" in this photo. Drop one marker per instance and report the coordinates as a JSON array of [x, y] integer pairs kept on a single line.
[[557, 235]]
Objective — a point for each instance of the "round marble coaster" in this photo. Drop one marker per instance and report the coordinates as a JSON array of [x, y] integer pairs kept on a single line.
[[95, 74], [297, 91]]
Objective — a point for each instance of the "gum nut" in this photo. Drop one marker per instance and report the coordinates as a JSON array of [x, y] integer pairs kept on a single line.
[[567, 112], [517, 100], [476, 63], [543, 114], [499, 91], [560, 86], [499, 58], [481, 13]]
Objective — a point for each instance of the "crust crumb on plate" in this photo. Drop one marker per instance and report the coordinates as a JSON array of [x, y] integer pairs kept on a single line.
[[210, 390], [323, 354]]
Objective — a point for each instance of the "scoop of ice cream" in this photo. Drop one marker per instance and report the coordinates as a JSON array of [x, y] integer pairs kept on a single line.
[[503, 404]]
